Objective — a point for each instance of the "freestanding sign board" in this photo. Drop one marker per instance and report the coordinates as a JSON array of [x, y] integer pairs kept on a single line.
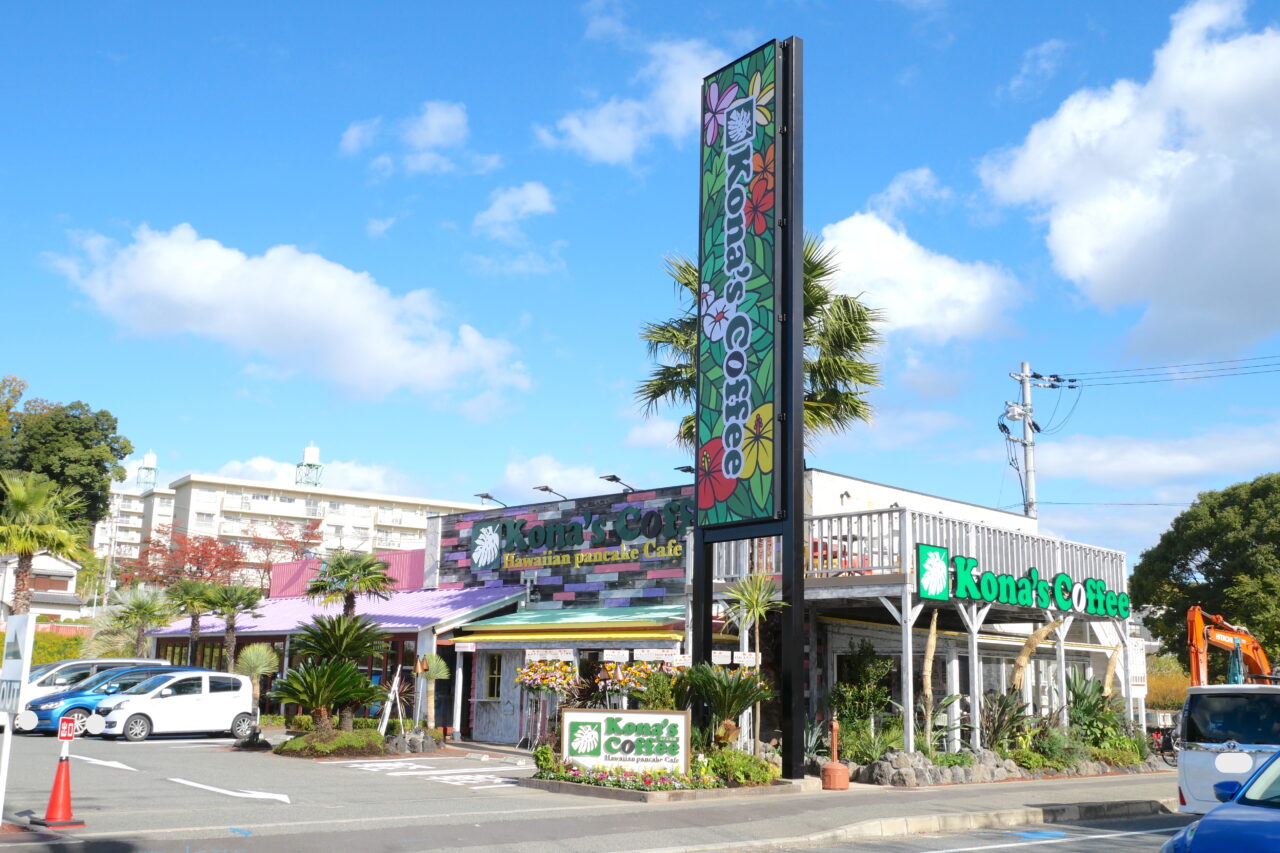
[[67, 728], [19, 638], [625, 740], [749, 416]]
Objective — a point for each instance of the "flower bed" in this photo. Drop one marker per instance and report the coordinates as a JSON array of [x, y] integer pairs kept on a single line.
[[627, 780]]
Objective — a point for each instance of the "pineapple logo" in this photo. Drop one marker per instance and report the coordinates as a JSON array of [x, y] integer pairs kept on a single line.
[[934, 581], [584, 739], [486, 547]]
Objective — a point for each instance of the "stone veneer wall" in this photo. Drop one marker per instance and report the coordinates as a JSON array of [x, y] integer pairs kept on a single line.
[[646, 581]]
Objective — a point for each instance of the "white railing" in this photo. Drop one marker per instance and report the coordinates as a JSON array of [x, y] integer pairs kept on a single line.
[[883, 541]]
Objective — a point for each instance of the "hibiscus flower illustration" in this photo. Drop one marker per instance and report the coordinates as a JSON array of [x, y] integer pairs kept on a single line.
[[763, 97], [713, 485], [762, 167], [713, 116], [715, 317], [757, 444], [758, 204]]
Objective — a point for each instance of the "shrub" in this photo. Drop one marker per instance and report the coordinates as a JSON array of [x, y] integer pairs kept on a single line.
[[658, 693], [51, 648], [320, 745], [1094, 717], [1060, 748], [862, 746], [300, 723], [738, 768], [953, 759], [1004, 716], [271, 720], [1029, 759], [1116, 756], [1167, 691], [860, 692], [544, 758], [436, 734]]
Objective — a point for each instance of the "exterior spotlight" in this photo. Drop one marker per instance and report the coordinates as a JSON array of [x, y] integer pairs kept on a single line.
[[614, 478], [485, 496], [550, 491], [688, 469]]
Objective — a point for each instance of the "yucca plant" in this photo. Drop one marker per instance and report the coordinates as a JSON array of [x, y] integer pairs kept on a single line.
[[319, 687], [255, 661], [431, 668]]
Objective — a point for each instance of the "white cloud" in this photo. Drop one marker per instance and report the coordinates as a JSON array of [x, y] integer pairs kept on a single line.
[[654, 432], [1039, 65], [508, 206], [428, 162], [295, 309], [894, 429], [381, 166], [615, 131], [350, 475], [1162, 194], [907, 190], [483, 164], [379, 227], [573, 481], [1134, 462], [929, 295], [359, 135], [439, 124], [532, 262], [605, 19]]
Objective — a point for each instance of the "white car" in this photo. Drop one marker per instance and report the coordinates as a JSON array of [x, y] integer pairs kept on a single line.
[[180, 702], [1228, 731]]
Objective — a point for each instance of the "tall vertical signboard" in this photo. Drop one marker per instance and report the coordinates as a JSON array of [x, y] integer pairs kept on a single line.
[[19, 639], [750, 353]]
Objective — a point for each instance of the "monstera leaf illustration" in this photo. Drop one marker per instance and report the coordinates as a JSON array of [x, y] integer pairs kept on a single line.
[[586, 739], [933, 579], [487, 546]]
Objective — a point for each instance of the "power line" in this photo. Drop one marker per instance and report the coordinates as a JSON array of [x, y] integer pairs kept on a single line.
[[1173, 366], [1179, 378]]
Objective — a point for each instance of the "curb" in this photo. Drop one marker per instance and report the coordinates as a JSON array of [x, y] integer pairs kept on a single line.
[[783, 786], [948, 822]]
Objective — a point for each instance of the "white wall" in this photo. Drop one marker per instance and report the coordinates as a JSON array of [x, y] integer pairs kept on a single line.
[[825, 495]]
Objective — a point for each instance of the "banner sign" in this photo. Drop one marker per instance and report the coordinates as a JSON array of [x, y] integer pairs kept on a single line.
[[548, 654], [626, 740], [656, 654], [719, 657], [19, 638], [464, 647], [738, 350], [616, 655], [936, 569], [746, 658]]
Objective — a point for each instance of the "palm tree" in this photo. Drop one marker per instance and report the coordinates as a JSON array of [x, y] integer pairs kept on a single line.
[[37, 515], [431, 668], [139, 609], [753, 600], [192, 598], [230, 602], [349, 638], [347, 574], [108, 638], [256, 661], [319, 687], [839, 333]]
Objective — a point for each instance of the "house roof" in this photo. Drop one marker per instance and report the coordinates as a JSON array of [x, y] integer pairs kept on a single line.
[[45, 597], [410, 610]]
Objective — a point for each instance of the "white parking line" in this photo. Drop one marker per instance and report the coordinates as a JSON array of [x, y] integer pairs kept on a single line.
[[1068, 839]]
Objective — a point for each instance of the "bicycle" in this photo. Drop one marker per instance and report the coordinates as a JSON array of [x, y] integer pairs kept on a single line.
[[1164, 743]]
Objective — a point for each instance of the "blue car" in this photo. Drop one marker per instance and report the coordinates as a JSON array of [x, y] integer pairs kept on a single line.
[[1248, 821], [80, 701]]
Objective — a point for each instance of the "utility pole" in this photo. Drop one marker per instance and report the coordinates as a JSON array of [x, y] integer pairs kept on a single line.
[[1022, 411]]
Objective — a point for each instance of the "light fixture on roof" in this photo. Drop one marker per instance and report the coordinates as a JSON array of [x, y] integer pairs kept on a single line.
[[614, 478], [550, 491], [485, 496], [688, 469]]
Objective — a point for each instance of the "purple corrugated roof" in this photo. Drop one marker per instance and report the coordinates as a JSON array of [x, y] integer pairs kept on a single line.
[[406, 569], [410, 610]]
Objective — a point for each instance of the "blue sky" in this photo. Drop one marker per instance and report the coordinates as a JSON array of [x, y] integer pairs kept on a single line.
[[425, 237]]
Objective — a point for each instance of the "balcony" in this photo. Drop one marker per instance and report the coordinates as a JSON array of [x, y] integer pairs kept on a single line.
[[261, 507], [401, 519], [854, 549]]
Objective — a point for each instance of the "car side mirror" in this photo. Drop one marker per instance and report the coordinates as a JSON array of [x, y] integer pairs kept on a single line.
[[59, 681], [111, 688], [168, 691], [1227, 790]]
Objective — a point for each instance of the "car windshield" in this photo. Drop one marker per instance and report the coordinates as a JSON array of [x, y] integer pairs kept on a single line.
[[122, 679], [147, 686], [1246, 718], [37, 671], [1265, 790], [102, 678]]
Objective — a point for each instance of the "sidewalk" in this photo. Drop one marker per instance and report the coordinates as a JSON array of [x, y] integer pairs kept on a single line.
[[828, 817]]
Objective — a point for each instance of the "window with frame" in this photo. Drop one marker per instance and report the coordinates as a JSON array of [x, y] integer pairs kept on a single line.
[[223, 684], [493, 677], [187, 687]]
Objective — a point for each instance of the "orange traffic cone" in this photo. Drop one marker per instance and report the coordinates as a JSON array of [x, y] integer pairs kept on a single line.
[[58, 815]]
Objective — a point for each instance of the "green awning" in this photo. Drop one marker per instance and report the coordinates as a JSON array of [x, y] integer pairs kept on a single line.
[[583, 618]]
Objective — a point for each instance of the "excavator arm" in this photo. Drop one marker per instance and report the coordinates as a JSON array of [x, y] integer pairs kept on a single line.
[[1208, 629]]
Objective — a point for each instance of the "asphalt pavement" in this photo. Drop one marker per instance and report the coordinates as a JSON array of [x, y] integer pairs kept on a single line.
[[189, 795]]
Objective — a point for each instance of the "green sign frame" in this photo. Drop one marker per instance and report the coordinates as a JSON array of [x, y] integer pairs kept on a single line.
[[740, 266]]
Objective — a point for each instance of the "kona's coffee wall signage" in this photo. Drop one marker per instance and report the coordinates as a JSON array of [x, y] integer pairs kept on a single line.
[[941, 577], [627, 740]]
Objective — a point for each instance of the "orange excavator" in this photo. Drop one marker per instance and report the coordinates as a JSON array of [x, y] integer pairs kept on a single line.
[[1208, 629]]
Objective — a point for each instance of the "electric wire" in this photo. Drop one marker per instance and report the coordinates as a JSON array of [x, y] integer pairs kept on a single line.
[[1179, 378], [1170, 366]]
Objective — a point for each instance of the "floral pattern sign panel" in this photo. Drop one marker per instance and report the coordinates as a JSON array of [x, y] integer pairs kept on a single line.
[[737, 369]]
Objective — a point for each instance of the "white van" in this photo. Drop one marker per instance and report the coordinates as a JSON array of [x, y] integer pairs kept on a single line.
[[65, 674], [1227, 732], [184, 701]]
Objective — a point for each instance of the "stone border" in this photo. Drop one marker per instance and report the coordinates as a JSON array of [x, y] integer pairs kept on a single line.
[[915, 770], [780, 786], [894, 827]]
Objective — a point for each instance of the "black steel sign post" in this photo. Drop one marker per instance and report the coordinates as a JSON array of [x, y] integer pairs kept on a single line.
[[750, 353]]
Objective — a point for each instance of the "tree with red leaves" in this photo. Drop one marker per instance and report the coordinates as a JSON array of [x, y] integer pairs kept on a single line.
[[170, 556], [286, 541]]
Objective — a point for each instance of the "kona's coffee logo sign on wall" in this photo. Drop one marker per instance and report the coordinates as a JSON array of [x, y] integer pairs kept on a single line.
[[935, 568], [630, 740]]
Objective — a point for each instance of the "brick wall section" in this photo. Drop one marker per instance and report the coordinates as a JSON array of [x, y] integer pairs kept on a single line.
[[644, 582]]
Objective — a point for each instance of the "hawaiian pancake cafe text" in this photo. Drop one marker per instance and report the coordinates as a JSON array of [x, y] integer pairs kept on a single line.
[[648, 551]]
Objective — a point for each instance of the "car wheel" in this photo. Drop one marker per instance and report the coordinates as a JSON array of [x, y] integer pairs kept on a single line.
[[81, 716], [242, 726], [137, 728]]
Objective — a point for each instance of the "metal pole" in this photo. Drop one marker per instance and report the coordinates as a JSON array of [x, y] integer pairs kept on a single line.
[[1028, 441], [908, 675], [791, 173], [5, 756], [459, 673]]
